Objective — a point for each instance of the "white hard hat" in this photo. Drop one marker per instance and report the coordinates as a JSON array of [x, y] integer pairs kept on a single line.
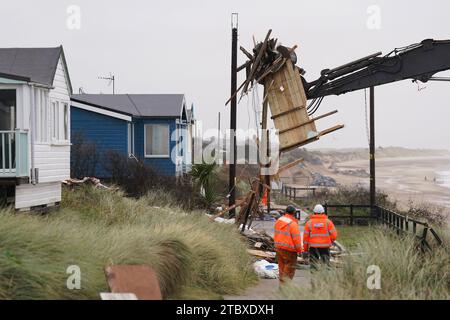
[[319, 209]]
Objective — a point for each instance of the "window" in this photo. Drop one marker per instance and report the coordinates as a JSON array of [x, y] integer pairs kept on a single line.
[[55, 122], [66, 121], [156, 142], [60, 121], [130, 128], [41, 114], [38, 115]]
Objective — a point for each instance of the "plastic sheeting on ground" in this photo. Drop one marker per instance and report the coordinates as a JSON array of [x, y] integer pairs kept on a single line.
[[265, 269]]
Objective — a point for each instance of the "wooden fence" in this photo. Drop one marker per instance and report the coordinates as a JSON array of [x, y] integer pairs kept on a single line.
[[401, 224], [351, 217]]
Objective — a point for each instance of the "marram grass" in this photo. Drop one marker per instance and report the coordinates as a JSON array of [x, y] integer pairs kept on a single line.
[[193, 257], [406, 273]]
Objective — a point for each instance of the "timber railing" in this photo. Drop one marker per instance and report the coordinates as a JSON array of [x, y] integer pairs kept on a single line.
[[401, 224], [14, 154], [351, 215], [290, 191]]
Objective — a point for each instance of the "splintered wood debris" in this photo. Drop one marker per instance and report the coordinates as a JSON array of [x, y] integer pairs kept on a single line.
[[274, 67], [86, 180]]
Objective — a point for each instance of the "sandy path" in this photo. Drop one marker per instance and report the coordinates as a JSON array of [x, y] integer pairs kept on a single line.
[[266, 289]]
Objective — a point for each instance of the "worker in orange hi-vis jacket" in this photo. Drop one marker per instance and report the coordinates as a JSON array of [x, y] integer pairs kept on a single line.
[[318, 237], [287, 243]]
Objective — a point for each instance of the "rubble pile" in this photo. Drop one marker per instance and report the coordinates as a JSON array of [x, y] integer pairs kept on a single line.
[[323, 181]]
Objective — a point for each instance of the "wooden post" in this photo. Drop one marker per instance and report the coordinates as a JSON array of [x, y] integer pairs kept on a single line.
[[351, 215], [424, 234], [398, 224], [265, 132], [233, 158], [391, 220], [372, 151]]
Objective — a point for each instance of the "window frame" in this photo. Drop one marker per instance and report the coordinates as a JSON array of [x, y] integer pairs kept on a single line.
[[55, 121], [66, 121], [60, 124], [149, 156]]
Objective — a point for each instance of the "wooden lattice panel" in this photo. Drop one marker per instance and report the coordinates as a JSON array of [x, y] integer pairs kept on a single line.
[[288, 102]]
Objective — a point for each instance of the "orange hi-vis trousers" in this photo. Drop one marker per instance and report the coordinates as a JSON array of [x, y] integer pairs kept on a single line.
[[287, 261]]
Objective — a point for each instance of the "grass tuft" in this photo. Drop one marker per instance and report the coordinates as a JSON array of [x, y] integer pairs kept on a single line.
[[95, 228], [406, 273]]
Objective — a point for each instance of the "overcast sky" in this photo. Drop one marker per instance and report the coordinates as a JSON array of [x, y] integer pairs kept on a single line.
[[184, 47]]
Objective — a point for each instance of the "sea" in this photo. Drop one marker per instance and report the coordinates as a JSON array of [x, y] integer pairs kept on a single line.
[[443, 178]]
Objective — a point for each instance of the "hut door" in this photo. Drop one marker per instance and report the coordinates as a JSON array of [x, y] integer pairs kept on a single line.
[[7, 110], [7, 125]]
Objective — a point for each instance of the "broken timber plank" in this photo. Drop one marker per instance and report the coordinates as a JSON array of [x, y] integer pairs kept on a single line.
[[255, 64], [320, 134], [310, 121], [236, 205], [286, 167], [248, 54]]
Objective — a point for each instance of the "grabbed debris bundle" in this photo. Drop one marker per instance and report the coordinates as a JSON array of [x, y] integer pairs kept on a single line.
[[274, 67]]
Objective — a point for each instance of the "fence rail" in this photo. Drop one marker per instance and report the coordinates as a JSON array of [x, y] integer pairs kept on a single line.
[[290, 191], [351, 216], [402, 224]]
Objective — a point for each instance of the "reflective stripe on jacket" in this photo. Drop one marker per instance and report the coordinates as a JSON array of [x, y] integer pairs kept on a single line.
[[320, 232], [287, 234]]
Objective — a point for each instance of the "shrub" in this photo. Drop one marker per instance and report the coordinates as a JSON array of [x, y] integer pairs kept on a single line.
[[84, 157], [137, 179], [353, 195], [433, 213], [205, 178]]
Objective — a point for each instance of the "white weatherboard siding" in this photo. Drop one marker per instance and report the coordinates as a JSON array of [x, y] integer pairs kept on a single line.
[[51, 157], [29, 195], [53, 162], [60, 84]]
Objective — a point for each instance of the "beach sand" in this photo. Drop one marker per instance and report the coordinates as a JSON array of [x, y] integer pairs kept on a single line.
[[414, 178]]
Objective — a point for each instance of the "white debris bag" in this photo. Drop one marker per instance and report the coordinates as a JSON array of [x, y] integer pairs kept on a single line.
[[265, 269], [222, 220]]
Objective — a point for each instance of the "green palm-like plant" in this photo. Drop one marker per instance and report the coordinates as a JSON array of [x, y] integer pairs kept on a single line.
[[205, 177]]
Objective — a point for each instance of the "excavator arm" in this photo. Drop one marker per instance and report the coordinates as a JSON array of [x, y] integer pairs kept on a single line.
[[417, 62]]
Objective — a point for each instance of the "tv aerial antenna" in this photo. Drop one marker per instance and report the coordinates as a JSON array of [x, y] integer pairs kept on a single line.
[[111, 80]]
